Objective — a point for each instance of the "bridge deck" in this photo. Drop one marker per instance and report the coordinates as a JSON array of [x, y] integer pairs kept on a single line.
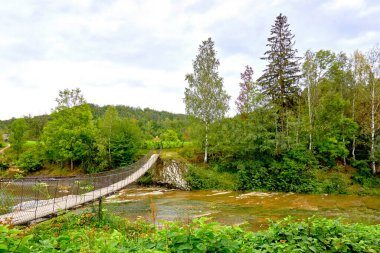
[[71, 201]]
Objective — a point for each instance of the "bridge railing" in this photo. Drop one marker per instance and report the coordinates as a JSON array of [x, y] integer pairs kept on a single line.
[[17, 195]]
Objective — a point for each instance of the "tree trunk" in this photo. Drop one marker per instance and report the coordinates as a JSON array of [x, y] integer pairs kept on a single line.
[[276, 137], [353, 137], [109, 151], [373, 128], [71, 164], [206, 143], [344, 158], [310, 113]]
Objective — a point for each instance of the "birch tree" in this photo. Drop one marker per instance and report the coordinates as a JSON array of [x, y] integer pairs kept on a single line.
[[108, 125], [360, 74], [374, 63], [315, 67], [205, 98]]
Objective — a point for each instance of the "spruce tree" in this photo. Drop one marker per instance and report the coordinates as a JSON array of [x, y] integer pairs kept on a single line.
[[280, 78]]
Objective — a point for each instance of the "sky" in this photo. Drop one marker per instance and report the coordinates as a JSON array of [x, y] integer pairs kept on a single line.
[[137, 52]]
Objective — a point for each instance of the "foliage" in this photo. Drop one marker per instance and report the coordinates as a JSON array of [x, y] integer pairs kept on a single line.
[[162, 144], [315, 235], [107, 125], [69, 99], [86, 233], [151, 122], [202, 178], [70, 135], [3, 165], [291, 174], [363, 176], [335, 185], [11, 240], [36, 125], [18, 135], [279, 80], [205, 98], [125, 142], [249, 97], [31, 160]]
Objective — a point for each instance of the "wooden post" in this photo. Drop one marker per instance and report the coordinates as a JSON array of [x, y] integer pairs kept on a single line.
[[100, 210]]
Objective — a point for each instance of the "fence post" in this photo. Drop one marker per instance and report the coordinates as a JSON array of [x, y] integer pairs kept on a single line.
[[55, 195], [100, 208]]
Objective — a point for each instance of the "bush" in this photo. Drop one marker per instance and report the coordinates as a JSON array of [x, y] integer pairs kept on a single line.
[[335, 185], [292, 173], [3, 165], [86, 233], [364, 176], [207, 178], [362, 168], [254, 176], [30, 160]]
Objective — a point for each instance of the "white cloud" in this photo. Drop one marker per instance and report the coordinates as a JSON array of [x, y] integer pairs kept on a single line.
[[344, 4], [138, 52]]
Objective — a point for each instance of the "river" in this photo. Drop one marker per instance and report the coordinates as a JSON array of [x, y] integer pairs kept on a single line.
[[251, 209]]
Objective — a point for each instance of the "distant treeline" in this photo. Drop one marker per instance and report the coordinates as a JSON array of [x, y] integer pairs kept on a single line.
[[152, 123]]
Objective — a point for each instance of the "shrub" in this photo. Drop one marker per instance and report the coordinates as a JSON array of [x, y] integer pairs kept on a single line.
[[364, 176], [86, 233], [30, 160], [335, 185], [362, 168], [292, 173], [202, 178], [3, 165]]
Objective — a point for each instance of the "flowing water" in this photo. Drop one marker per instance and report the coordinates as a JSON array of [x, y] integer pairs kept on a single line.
[[254, 209]]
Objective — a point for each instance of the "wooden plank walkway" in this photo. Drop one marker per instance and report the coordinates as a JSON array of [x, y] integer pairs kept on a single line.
[[71, 201]]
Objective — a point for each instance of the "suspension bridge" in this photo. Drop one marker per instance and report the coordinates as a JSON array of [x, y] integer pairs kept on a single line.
[[28, 199]]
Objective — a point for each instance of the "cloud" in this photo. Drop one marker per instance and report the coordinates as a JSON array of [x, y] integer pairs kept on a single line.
[[138, 52], [340, 5]]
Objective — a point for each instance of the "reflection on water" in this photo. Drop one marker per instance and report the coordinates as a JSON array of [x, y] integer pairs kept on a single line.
[[253, 208]]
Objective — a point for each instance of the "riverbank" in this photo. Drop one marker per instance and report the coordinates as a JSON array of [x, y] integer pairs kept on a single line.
[[88, 233]]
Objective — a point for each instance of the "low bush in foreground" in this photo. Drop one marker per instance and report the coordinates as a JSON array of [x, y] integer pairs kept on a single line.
[[85, 233]]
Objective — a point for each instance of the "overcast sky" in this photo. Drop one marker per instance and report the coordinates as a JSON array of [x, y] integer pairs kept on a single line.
[[137, 53]]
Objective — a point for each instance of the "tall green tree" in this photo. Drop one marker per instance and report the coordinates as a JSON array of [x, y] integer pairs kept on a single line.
[[107, 127], [360, 72], [18, 135], [314, 68], [373, 85], [205, 98], [280, 79], [70, 135], [125, 142]]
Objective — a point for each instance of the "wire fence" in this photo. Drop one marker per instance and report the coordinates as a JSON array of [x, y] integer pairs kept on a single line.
[[26, 199]]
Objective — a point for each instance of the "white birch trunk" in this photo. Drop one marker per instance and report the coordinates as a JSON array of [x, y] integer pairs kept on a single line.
[[206, 143], [373, 128], [310, 113], [353, 137]]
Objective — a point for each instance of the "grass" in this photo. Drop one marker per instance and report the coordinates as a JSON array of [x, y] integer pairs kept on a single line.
[[30, 144]]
